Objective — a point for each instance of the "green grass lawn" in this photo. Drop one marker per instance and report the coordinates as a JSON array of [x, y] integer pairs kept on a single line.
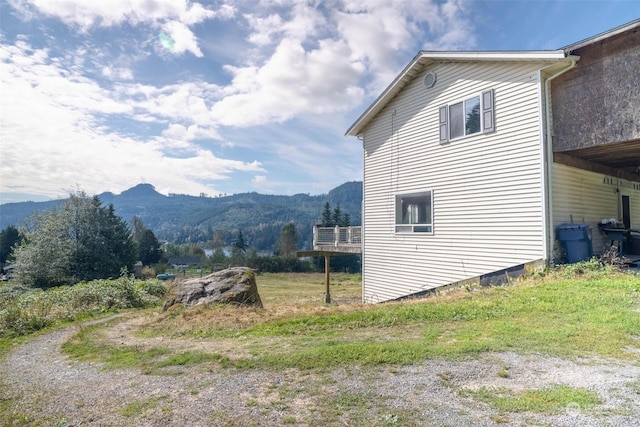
[[565, 314], [583, 310]]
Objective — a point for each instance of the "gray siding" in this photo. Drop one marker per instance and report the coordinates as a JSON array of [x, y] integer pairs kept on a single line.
[[487, 188]]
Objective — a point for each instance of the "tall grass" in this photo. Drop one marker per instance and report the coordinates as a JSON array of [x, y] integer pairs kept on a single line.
[[25, 310]]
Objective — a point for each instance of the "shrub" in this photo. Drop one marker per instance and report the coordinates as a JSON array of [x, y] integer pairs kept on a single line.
[[148, 272], [590, 267], [24, 311]]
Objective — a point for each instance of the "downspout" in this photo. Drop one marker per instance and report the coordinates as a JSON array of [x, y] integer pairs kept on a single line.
[[549, 156], [362, 233]]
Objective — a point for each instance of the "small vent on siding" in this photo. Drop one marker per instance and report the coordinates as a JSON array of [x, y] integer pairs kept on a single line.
[[429, 80]]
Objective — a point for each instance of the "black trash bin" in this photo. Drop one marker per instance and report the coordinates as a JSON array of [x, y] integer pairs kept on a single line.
[[634, 244], [576, 241]]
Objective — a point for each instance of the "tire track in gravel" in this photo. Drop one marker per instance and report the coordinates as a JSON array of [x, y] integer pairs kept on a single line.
[[56, 390]]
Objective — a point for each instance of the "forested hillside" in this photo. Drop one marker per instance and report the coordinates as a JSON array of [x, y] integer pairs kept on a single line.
[[188, 219]]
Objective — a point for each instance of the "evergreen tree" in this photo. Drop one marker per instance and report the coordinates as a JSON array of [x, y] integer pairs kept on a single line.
[[472, 121], [345, 221], [9, 237], [149, 248], [337, 216], [238, 251], [326, 216], [240, 244]]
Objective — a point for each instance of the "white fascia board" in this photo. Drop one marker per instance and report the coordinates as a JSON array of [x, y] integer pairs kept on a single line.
[[425, 57], [538, 55]]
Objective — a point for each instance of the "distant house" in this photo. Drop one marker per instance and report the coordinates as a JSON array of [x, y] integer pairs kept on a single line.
[[183, 262], [472, 160]]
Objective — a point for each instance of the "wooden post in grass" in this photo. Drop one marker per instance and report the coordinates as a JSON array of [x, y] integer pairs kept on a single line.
[[327, 263]]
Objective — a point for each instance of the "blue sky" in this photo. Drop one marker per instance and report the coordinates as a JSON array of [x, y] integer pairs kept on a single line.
[[223, 97]]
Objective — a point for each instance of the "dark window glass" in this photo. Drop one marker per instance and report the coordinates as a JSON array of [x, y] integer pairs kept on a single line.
[[472, 115]]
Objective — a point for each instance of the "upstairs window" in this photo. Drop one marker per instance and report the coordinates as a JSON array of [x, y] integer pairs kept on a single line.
[[414, 212], [469, 116]]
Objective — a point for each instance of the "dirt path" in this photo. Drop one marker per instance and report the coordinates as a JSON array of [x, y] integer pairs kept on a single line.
[[47, 388]]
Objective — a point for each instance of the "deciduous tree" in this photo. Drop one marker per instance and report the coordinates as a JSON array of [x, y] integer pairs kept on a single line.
[[137, 228], [288, 242], [80, 240]]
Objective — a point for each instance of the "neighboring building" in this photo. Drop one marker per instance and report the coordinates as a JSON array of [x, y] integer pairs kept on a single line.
[[471, 160], [183, 261]]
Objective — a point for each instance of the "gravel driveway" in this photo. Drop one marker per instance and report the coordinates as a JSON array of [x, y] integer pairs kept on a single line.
[[54, 390]]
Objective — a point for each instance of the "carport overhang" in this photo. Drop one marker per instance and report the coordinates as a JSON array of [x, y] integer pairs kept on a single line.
[[619, 159]]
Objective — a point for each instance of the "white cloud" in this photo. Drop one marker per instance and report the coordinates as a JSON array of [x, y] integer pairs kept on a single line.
[[310, 61], [53, 134], [264, 29], [319, 63], [187, 102], [189, 133], [292, 82], [183, 40], [87, 13], [117, 73], [287, 61], [54, 79], [259, 180], [376, 34], [174, 16], [453, 30], [377, 31]]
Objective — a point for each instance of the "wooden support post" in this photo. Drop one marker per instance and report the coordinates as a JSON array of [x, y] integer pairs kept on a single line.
[[327, 264]]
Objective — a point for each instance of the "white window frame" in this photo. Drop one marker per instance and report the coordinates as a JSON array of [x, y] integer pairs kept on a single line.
[[409, 218], [486, 116]]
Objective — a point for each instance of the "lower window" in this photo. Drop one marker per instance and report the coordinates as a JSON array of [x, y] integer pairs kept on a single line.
[[414, 212]]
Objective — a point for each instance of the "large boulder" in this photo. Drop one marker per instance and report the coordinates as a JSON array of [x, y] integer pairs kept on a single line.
[[232, 286]]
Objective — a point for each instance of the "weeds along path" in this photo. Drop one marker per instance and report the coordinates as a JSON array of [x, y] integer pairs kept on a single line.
[[41, 386]]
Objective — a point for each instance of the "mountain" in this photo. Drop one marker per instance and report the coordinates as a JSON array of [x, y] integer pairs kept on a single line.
[[190, 219]]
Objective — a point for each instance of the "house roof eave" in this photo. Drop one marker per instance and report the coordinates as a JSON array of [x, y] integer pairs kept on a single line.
[[424, 58], [602, 36]]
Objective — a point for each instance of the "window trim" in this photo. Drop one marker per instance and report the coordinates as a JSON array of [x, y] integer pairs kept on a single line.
[[486, 113], [414, 228]]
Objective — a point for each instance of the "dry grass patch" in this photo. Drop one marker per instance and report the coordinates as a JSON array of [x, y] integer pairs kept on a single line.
[[284, 295]]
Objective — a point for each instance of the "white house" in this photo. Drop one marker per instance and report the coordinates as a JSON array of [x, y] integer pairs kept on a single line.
[[472, 159]]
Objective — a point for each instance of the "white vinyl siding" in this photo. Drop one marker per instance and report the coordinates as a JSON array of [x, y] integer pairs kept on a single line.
[[589, 197], [487, 205]]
